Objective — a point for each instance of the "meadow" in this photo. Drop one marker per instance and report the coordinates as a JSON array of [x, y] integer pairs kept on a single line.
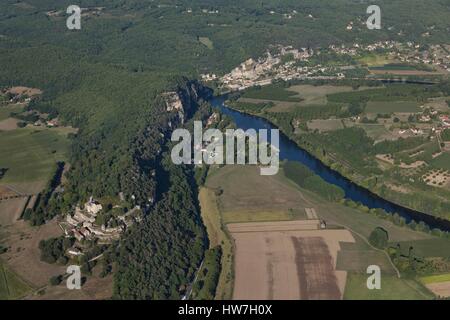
[[373, 60], [434, 247], [30, 155], [436, 278], [392, 288], [218, 237], [325, 125], [377, 132], [317, 95], [5, 111], [248, 196], [11, 286]]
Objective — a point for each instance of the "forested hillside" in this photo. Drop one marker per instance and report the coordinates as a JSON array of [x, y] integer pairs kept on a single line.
[[106, 80]]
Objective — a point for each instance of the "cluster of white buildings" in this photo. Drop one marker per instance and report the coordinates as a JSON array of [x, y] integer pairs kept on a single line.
[[266, 69], [357, 48], [82, 225]]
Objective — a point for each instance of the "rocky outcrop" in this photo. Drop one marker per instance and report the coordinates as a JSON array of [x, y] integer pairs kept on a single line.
[[185, 99]]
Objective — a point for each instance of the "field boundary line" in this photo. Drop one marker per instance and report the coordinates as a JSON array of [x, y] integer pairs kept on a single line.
[[375, 248]]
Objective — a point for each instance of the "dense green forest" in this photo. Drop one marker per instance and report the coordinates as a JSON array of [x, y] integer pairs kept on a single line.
[[106, 80]]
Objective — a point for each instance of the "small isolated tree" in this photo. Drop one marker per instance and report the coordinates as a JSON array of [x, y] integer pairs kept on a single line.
[[379, 238], [55, 280]]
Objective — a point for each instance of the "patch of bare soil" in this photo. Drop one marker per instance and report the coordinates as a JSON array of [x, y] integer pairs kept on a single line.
[[25, 90], [8, 124], [315, 269], [440, 289]]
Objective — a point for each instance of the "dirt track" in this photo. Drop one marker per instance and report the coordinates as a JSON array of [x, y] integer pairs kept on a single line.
[[273, 261]]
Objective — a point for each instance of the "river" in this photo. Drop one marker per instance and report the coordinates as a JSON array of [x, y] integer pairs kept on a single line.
[[289, 150]]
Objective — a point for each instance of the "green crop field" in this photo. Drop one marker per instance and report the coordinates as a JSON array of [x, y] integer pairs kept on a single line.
[[357, 256], [249, 196], [272, 92], [392, 288], [377, 131], [30, 154], [394, 106], [436, 278], [394, 66], [374, 60], [11, 287], [434, 247]]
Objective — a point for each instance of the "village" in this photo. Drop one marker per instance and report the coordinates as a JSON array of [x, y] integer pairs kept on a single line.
[[288, 63], [91, 222]]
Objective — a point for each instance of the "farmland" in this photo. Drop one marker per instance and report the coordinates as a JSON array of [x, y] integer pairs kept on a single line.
[[218, 237], [436, 278], [30, 155], [373, 60], [325, 125], [377, 132], [265, 198], [317, 95], [392, 288], [11, 286], [386, 107], [273, 92], [293, 264], [433, 247], [267, 235], [11, 210]]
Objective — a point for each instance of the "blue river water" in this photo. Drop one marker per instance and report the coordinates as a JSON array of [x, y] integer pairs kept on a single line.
[[289, 150]]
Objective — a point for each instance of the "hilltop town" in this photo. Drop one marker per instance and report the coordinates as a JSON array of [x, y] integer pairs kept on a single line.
[[93, 222]]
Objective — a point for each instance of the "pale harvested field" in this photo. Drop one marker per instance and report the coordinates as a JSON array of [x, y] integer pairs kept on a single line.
[[325, 125], [11, 210], [440, 289], [439, 104], [23, 256], [25, 90], [95, 288], [317, 94], [6, 192], [279, 260], [8, 124], [26, 188]]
